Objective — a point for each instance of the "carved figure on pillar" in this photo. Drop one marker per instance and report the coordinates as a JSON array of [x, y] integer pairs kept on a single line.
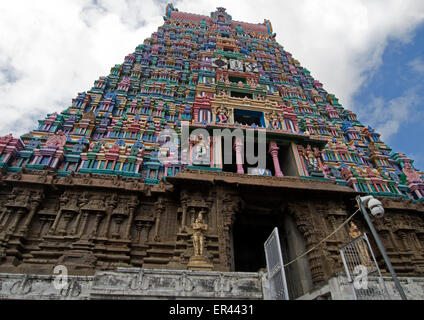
[[273, 120], [199, 228], [198, 260], [312, 160], [361, 246], [222, 114]]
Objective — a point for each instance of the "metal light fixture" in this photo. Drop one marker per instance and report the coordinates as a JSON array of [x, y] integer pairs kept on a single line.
[[375, 206], [377, 210]]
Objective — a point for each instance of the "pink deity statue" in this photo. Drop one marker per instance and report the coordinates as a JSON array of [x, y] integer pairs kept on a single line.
[[222, 114], [412, 175], [57, 140], [114, 149]]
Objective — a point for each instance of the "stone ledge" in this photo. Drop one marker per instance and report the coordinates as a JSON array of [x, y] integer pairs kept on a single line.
[[266, 181], [136, 283]]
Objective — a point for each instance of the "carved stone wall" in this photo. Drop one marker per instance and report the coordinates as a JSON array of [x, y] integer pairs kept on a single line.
[[97, 223], [133, 283]]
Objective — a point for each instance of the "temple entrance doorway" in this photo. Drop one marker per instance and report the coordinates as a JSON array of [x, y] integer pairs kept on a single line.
[[252, 228]]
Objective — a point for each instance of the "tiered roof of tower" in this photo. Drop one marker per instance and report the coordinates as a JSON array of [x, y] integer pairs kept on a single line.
[[202, 71]]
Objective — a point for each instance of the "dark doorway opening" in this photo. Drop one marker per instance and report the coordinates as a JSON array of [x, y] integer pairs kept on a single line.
[[247, 117], [237, 79], [252, 228], [249, 235], [232, 166], [236, 94], [287, 160]]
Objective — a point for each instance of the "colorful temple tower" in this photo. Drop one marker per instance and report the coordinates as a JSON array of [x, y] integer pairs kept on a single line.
[[111, 182]]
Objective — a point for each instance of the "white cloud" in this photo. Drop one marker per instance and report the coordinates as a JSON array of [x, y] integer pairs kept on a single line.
[[417, 65], [51, 50], [388, 116], [57, 48]]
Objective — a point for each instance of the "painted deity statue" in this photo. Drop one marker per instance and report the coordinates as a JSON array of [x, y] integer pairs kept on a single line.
[[222, 114], [411, 174], [315, 96], [361, 247], [273, 120], [57, 140], [199, 229], [312, 157]]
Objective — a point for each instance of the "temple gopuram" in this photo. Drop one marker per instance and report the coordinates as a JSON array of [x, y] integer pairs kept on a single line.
[[108, 188]]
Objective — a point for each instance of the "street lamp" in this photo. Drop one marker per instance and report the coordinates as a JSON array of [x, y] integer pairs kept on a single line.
[[377, 210]]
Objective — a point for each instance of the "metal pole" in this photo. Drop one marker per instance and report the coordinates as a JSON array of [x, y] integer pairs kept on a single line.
[[381, 248]]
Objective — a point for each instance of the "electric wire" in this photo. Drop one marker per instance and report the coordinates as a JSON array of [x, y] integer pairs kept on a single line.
[[326, 238]]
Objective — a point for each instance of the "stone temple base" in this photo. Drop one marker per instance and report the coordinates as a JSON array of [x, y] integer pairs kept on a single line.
[[200, 264], [135, 283]]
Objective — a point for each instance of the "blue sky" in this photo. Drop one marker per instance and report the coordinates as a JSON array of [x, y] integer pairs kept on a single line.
[[398, 81], [369, 53]]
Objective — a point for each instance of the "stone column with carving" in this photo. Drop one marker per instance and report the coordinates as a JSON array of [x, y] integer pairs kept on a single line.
[[132, 204], [159, 209], [183, 215], [230, 206], [111, 204], [19, 214], [63, 200], [81, 202], [304, 223], [84, 217], [35, 201], [97, 220], [273, 151], [5, 217]]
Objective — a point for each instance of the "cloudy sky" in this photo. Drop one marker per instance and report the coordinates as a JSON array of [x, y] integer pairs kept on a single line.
[[369, 53]]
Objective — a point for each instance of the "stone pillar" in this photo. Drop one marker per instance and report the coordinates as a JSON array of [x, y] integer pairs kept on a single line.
[[19, 213], [132, 204], [160, 208], [76, 224], [35, 202], [84, 223], [4, 217], [166, 166], [56, 222], [273, 151], [110, 205], [67, 217], [238, 145], [183, 215], [97, 219]]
